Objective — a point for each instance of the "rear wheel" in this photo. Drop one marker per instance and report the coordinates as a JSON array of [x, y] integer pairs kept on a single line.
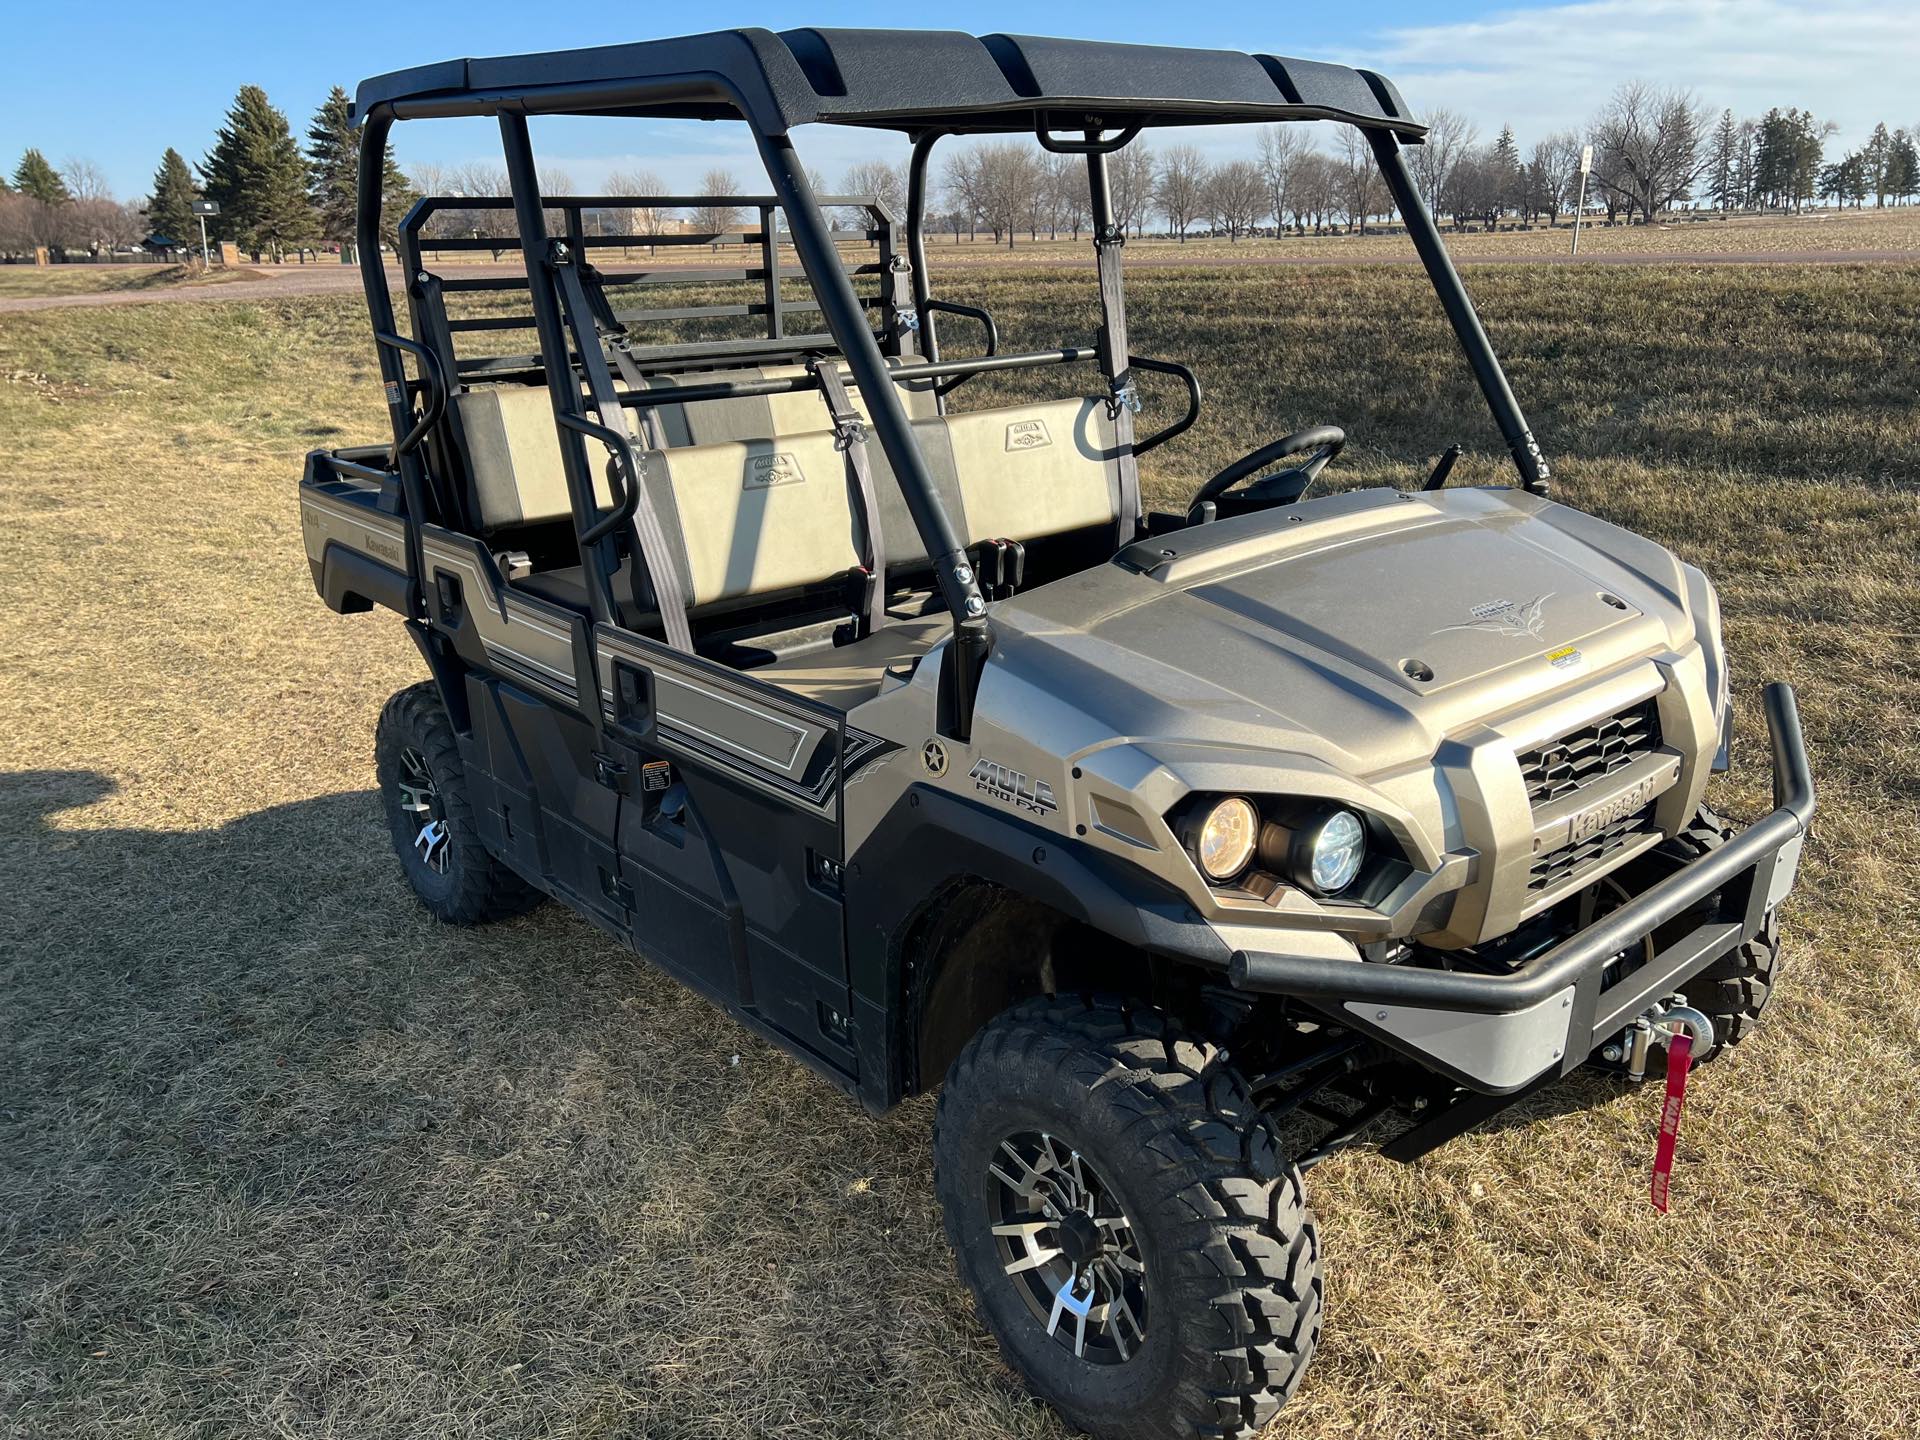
[[431, 818], [1133, 1235]]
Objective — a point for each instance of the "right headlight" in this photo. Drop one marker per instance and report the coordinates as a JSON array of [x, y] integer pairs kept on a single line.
[[1322, 853]]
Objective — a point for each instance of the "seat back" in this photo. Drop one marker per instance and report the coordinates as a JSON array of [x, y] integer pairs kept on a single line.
[[772, 514], [513, 457]]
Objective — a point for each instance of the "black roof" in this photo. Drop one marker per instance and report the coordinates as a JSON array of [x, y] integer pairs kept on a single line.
[[909, 80]]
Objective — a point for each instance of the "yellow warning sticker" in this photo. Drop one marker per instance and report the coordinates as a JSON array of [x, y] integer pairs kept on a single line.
[[1564, 658]]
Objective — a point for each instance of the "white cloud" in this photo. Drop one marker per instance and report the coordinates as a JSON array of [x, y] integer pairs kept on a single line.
[[1850, 61]]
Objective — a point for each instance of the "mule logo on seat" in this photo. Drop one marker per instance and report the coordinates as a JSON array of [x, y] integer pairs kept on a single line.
[[1028, 435], [1009, 785], [779, 468]]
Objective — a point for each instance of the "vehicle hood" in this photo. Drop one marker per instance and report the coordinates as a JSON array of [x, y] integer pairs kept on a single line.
[[1362, 628]]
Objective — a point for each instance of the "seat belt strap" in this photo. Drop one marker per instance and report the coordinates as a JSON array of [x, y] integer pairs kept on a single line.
[[636, 382], [850, 436], [663, 574], [1123, 402], [613, 337]]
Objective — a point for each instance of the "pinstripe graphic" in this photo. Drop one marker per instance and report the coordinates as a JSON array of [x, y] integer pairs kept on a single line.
[[775, 741]]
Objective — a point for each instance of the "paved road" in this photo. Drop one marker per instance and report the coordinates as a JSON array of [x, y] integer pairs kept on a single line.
[[277, 281]]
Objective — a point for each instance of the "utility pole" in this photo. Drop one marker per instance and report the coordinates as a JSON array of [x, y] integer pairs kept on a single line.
[[1580, 205], [202, 209]]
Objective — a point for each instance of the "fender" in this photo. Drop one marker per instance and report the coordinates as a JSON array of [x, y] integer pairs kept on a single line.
[[930, 838]]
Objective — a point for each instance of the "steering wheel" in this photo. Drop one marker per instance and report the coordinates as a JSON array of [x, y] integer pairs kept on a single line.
[[1282, 487]]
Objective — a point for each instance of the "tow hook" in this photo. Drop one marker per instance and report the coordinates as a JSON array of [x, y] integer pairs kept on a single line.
[[1656, 1027]]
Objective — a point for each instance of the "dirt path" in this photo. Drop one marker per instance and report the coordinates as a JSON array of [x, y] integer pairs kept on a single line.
[[277, 281]]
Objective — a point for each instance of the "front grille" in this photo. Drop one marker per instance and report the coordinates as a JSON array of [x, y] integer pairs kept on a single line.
[[1592, 752], [1569, 860]]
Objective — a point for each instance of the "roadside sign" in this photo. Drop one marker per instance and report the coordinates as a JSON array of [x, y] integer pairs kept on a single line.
[[201, 210], [1586, 159]]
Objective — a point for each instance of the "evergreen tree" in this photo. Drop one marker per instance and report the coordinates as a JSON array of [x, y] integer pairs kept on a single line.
[[1903, 167], [1507, 176], [259, 177], [1723, 163], [35, 178], [170, 211], [335, 152], [1876, 157]]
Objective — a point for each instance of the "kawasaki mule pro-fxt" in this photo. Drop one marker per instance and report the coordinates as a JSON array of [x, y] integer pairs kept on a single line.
[[1182, 849]]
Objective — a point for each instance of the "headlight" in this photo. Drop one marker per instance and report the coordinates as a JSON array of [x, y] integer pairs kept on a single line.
[[1322, 853], [1224, 841], [1336, 851]]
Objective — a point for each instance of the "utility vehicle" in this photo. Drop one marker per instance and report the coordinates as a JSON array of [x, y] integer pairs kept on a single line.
[[1183, 849]]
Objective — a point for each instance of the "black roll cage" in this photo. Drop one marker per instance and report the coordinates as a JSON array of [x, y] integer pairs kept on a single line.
[[435, 93]]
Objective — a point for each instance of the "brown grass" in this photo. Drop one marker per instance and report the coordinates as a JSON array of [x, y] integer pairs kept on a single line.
[[26, 281], [283, 1157]]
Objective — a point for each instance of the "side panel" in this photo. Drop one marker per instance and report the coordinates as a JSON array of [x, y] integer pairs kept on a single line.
[[731, 836]]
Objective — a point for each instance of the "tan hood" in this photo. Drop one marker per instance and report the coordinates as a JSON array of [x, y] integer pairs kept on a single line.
[[1361, 627]]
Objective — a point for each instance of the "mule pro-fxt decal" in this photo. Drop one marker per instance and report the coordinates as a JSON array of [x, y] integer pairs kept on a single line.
[[1011, 787]]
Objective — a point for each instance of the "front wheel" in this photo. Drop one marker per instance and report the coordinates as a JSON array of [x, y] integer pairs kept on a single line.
[[1135, 1238]]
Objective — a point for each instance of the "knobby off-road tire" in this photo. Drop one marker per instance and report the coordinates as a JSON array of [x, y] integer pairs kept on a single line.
[[1733, 990], [1230, 1251], [450, 870]]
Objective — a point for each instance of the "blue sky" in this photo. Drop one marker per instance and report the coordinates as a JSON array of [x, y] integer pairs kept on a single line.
[[118, 82]]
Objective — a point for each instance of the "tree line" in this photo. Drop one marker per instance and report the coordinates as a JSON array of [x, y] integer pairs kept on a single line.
[[275, 196], [1655, 150]]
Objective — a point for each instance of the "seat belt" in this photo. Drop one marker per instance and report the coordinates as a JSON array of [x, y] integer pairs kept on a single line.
[[613, 337], [850, 437], [1123, 401], [669, 589]]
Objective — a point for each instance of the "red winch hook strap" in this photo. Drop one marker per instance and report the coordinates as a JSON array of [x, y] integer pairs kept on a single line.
[[1679, 1062]]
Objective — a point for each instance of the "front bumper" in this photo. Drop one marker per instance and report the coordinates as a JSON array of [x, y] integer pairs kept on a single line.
[[1500, 1033]]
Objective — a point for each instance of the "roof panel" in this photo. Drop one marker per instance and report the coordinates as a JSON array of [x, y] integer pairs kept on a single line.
[[898, 79]]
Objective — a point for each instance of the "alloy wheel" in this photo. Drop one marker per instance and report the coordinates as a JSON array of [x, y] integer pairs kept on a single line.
[[1068, 1247]]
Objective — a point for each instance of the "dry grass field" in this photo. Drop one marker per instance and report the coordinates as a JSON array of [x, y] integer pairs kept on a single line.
[[23, 281], [280, 1157]]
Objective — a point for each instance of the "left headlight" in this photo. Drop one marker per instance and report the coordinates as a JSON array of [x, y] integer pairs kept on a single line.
[[1224, 838]]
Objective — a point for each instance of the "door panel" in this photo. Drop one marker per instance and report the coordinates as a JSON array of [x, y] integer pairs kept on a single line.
[[730, 836]]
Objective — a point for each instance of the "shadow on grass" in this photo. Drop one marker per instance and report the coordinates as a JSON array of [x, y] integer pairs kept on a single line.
[[284, 1153]]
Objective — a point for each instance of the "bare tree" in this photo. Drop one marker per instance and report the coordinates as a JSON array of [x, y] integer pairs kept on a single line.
[[1647, 146], [1180, 187], [1362, 193], [715, 217], [1557, 159], [885, 183], [1312, 196], [1069, 204], [1451, 138], [85, 180], [1282, 149], [962, 180], [1236, 196], [1010, 177], [647, 221], [1130, 181]]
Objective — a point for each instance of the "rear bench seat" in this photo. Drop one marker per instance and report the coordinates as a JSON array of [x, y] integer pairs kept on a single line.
[[769, 515]]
